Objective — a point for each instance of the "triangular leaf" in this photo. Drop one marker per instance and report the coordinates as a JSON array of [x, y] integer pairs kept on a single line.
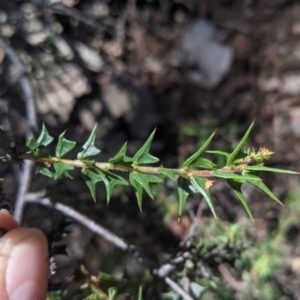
[[62, 169], [89, 162], [237, 150], [64, 146], [110, 181], [140, 294], [45, 171], [203, 163], [237, 187], [228, 175], [32, 144], [172, 174], [202, 186], [143, 156], [44, 139], [261, 167], [89, 148], [258, 182], [138, 190], [142, 181], [184, 190], [193, 159], [121, 157], [112, 293], [91, 179], [217, 152]]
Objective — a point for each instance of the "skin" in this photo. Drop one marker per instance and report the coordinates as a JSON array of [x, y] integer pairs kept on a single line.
[[23, 261]]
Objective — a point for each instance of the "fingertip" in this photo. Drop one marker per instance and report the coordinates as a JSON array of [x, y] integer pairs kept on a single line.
[[25, 261], [7, 220]]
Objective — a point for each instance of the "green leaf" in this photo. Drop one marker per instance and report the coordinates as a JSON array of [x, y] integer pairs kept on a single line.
[[142, 182], [140, 294], [217, 152], [91, 179], [202, 186], [109, 179], [62, 169], [143, 156], [258, 182], [89, 148], [228, 175], [44, 139], [261, 167], [64, 146], [172, 174], [112, 293], [32, 144], [237, 187], [45, 171], [194, 159], [184, 190], [121, 157], [89, 162], [203, 163], [237, 150]]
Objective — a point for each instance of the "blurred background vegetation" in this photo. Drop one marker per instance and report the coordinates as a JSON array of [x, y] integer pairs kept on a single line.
[[188, 68]]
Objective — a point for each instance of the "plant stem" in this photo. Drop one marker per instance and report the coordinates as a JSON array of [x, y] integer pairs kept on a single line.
[[104, 166]]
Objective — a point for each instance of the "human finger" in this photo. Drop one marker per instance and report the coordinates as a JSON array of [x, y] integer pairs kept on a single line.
[[23, 265]]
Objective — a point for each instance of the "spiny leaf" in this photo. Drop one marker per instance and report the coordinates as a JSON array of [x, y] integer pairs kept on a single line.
[[261, 167], [203, 163], [109, 179], [138, 191], [32, 144], [91, 179], [237, 150], [140, 294], [258, 182], [227, 175], [89, 148], [44, 139], [112, 293], [217, 152], [64, 146], [184, 190], [45, 171], [142, 181], [121, 157], [202, 186], [89, 162], [143, 156], [62, 169], [172, 174], [237, 187], [193, 160]]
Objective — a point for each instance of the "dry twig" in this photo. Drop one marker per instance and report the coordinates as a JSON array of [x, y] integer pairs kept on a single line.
[[161, 272]]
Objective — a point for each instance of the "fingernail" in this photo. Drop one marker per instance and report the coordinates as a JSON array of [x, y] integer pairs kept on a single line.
[[27, 291]]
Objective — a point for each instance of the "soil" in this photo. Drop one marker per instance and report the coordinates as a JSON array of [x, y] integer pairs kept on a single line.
[[139, 87]]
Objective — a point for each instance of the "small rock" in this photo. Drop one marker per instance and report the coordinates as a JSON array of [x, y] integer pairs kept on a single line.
[[133, 103], [269, 84], [291, 84], [201, 46], [56, 93], [296, 28], [90, 57]]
